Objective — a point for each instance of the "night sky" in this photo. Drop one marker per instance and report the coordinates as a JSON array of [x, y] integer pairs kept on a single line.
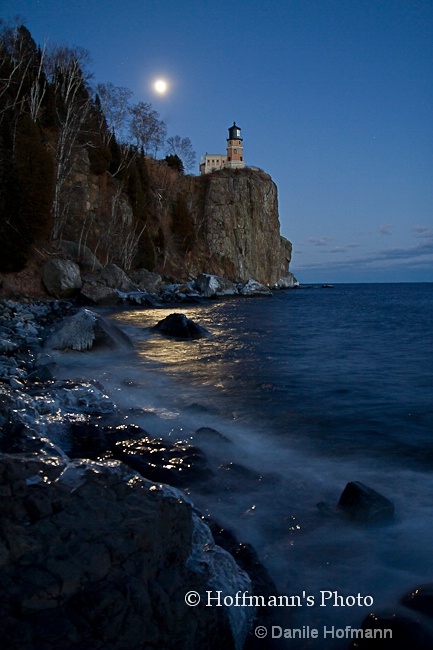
[[334, 99]]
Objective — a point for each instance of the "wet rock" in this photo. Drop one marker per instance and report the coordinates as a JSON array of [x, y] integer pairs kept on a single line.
[[43, 373], [211, 286], [95, 556], [287, 281], [80, 397], [140, 298], [106, 286], [15, 383], [394, 630], [44, 368], [7, 346], [254, 288], [180, 293], [155, 459], [179, 326], [177, 464], [61, 278], [49, 410], [195, 407], [237, 471], [363, 504], [85, 330], [208, 434], [420, 599]]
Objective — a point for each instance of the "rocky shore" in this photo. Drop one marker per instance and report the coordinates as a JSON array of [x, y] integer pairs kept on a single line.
[[98, 544], [98, 548]]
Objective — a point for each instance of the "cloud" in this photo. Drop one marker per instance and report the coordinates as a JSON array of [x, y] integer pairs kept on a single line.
[[386, 229], [342, 249], [319, 241], [423, 232], [415, 257]]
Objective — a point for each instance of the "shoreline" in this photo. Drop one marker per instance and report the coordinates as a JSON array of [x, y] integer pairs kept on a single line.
[[95, 437]]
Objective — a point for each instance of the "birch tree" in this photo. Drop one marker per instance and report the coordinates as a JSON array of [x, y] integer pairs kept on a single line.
[[146, 128], [182, 147], [115, 107], [22, 79], [65, 67]]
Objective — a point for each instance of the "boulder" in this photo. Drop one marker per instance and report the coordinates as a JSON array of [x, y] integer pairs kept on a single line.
[[211, 286], [99, 294], [85, 330], [178, 464], [287, 281], [181, 327], [113, 276], [80, 254], [95, 556], [61, 278], [155, 459], [254, 288], [147, 280], [406, 631], [420, 599], [363, 504]]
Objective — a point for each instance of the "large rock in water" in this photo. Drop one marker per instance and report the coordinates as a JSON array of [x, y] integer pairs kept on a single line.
[[363, 504], [61, 278], [85, 330], [181, 327], [410, 622], [95, 556], [287, 281]]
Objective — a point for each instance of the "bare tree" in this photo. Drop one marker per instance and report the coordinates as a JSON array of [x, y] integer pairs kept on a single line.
[[22, 81], [114, 105], [182, 147], [146, 128], [121, 237], [66, 68]]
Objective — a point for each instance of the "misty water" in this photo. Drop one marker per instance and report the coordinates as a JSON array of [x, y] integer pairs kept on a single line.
[[312, 388]]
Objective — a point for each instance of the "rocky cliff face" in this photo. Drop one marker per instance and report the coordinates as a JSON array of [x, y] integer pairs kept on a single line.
[[224, 224], [240, 227]]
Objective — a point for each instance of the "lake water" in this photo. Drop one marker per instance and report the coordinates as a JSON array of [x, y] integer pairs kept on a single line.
[[313, 388]]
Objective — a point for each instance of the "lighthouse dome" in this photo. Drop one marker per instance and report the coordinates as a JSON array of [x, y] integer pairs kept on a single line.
[[234, 132]]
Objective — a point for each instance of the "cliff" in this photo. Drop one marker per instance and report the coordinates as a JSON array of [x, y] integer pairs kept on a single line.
[[224, 223], [240, 227], [64, 176]]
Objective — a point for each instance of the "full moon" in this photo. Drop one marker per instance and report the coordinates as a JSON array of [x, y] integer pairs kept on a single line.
[[160, 86]]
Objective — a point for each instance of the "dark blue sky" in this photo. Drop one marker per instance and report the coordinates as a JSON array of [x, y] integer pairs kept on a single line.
[[334, 98]]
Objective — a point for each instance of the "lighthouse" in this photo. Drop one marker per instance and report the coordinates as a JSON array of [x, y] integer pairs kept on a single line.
[[234, 159], [235, 155]]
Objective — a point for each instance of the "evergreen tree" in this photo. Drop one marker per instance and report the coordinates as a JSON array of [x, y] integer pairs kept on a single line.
[[26, 198], [97, 149], [174, 162]]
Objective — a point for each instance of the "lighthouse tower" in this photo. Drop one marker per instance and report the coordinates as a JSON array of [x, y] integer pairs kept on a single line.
[[235, 156]]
